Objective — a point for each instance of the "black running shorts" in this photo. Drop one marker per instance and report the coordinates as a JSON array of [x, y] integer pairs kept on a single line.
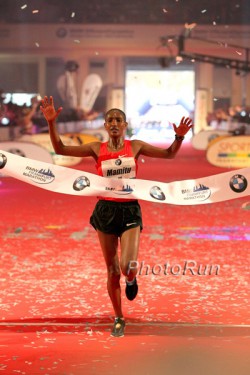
[[116, 217]]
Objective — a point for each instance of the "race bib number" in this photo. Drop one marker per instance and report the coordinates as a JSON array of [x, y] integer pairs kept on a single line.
[[119, 168]]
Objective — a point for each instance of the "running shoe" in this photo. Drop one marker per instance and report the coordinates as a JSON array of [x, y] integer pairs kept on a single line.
[[131, 289], [118, 328]]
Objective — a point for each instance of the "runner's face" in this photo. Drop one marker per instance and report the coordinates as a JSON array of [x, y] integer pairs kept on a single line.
[[115, 124]]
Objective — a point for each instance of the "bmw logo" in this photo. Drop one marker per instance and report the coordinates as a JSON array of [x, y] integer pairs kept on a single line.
[[3, 160], [157, 193], [118, 162], [238, 183], [81, 183]]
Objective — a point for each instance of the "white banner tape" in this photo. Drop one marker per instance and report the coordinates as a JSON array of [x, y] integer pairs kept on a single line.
[[212, 189]]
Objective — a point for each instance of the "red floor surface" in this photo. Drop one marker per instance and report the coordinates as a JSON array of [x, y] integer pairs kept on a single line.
[[55, 312]]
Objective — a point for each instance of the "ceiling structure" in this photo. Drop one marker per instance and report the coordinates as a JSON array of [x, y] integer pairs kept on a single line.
[[203, 12], [141, 12]]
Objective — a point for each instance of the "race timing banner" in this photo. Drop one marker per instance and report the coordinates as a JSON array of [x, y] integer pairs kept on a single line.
[[217, 188]]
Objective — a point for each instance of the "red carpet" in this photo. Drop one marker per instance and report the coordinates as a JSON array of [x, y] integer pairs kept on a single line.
[[55, 313]]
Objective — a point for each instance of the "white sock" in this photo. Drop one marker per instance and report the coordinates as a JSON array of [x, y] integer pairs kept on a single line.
[[130, 282]]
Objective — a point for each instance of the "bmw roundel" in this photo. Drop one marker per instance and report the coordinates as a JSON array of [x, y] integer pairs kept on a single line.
[[118, 162], [3, 160], [238, 183], [81, 183], [157, 193]]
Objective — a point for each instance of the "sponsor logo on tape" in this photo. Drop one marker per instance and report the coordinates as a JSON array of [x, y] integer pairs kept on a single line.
[[238, 183], [81, 183], [157, 193], [123, 190], [40, 176], [198, 193], [3, 160]]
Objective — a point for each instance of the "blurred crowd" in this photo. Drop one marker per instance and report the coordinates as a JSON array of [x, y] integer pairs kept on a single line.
[[24, 119], [28, 119], [237, 114], [21, 117]]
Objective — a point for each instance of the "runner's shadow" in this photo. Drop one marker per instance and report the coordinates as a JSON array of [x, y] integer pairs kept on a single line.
[[101, 323]]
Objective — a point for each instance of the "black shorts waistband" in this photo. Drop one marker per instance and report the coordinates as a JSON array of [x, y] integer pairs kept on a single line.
[[116, 203]]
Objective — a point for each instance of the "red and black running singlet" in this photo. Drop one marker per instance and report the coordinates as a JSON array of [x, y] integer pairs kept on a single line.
[[118, 164]]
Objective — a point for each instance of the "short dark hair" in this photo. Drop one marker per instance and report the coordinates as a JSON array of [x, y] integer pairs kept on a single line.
[[116, 109]]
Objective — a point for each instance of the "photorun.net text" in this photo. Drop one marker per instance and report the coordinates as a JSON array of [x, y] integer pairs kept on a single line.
[[187, 268]]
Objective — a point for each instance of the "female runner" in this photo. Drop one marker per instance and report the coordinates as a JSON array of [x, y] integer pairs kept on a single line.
[[116, 220]]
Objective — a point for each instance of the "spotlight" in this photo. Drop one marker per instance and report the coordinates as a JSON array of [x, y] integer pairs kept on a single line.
[[5, 121]]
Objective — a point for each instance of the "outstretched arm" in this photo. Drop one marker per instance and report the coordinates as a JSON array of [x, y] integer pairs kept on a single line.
[[143, 148], [50, 113]]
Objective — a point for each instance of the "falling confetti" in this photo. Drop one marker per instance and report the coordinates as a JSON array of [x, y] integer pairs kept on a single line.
[[246, 206]]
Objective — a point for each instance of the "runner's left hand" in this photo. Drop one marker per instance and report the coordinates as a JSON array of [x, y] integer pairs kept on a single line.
[[185, 125]]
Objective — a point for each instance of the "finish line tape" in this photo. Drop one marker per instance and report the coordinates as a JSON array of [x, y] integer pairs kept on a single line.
[[217, 188]]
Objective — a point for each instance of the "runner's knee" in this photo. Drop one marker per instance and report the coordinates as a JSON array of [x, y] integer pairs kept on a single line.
[[129, 268], [114, 272]]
